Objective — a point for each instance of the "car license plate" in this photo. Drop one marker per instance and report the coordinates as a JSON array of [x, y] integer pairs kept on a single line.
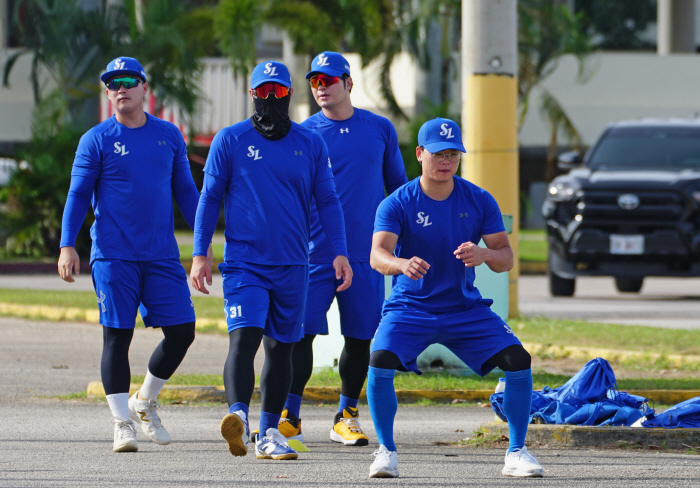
[[626, 244]]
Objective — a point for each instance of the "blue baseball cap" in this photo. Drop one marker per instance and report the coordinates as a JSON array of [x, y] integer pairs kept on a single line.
[[270, 72], [439, 134], [329, 63], [123, 66]]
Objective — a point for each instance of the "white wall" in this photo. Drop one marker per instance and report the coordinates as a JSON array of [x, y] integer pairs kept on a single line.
[[622, 86], [16, 102]]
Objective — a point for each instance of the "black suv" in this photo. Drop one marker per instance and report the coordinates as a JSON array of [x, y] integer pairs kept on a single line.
[[629, 209]]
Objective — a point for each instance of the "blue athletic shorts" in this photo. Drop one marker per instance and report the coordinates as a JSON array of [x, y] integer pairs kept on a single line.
[[270, 297], [474, 335], [160, 286], [360, 306]]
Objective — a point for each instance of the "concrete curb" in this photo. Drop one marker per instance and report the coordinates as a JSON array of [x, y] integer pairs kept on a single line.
[[581, 436], [533, 268], [50, 312], [80, 314], [173, 393]]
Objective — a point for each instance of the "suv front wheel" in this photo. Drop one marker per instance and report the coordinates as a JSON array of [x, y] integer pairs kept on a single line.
[[629, 285], [561, 287]]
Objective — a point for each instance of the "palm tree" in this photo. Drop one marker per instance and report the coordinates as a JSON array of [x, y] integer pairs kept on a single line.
[[547, 31], [69, 46], [160, 36], [312, 26], [430, 31]]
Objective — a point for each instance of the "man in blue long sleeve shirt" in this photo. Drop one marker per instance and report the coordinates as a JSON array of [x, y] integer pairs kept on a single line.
[[268, 169], [131, 166], [367, 162]]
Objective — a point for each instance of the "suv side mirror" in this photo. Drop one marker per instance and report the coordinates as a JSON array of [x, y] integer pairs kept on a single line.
[[569, 160]]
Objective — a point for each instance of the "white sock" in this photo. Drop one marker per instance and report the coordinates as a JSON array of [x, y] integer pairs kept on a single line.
[[119, 405], [151, 387]]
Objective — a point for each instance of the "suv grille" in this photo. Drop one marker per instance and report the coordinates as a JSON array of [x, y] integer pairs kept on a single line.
[[663, 207]]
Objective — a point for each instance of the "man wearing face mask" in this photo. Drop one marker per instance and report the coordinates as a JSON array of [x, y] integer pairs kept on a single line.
[[268, 168], [366, 163]]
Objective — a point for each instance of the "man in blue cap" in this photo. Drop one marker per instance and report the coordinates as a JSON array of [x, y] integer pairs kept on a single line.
[[426, 236], [131, 166], [366, 163], [269, 169]]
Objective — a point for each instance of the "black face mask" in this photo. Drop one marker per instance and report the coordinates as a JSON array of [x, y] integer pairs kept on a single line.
[[271, 117]]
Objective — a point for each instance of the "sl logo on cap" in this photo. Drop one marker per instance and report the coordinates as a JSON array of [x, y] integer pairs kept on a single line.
[[322, 60], [446, 131], [271, 70], [119, 64]]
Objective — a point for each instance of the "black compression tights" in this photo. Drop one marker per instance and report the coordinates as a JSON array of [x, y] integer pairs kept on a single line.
[[167, 356], [114, 367], [512, 358], [353, 364], [302, 364], [276, 375], [239, 370]]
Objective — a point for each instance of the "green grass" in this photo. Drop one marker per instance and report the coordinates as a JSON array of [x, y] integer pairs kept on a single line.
[[626, 337], [482, 438], [445, 381], [79, 299], [533, 245], [186, 251], [536, 330], [81, 395]]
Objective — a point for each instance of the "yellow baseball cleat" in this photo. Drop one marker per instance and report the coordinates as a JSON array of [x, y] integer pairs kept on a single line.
[[289, 426], [347, 428]]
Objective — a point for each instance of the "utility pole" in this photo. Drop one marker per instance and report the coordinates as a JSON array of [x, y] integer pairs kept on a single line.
[[675, 21], [489, 110]]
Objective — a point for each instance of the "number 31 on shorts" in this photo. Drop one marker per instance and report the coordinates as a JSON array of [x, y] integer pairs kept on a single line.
[[232, 312]]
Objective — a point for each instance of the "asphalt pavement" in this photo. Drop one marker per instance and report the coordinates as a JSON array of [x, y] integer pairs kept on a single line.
[[47, 442], [662, 302]]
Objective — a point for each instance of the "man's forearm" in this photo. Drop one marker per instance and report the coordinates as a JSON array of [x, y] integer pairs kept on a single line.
[[385, 262], [500, 260]]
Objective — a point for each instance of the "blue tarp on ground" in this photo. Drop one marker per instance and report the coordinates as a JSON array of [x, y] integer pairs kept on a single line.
[[685, 414], [589, 398]]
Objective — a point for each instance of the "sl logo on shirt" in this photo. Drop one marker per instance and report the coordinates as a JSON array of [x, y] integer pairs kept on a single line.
[[424, 219], [120, 148], [254, 153]]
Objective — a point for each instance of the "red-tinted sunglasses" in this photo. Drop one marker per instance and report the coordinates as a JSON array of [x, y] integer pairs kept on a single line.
[[263, 91], [324, 80]]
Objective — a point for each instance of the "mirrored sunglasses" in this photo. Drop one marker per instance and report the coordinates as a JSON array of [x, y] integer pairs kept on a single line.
[[324, 80], [125, 81], [263, 91]]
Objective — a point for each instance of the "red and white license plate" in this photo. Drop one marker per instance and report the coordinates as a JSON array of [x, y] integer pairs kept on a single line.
[[626, 244]]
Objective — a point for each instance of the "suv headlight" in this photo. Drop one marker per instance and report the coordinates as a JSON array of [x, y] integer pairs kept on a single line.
[[561, 190]]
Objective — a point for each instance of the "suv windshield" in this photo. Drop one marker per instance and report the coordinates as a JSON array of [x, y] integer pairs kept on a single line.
[[652, 147]]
